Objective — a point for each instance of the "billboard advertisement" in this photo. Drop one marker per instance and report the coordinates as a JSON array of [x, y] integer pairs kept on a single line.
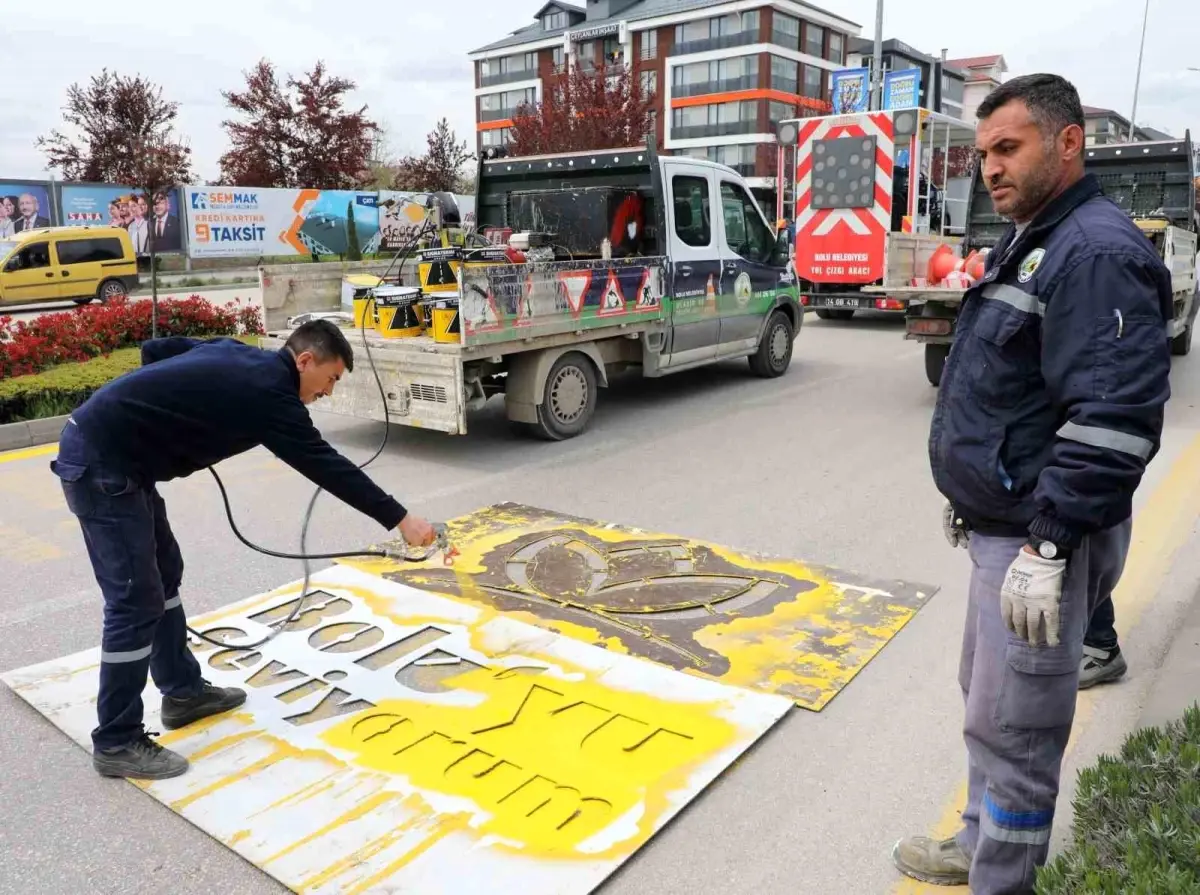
[[24, 205], [402, 214], [130, 209], [851, 90], [226, 221], [902, 89]]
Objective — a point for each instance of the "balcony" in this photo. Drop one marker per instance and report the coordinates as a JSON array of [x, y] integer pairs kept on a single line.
[[705, 88], [724, 42], [725, 129], [508, 77], [788, 41], [785, 85], [498, 114]]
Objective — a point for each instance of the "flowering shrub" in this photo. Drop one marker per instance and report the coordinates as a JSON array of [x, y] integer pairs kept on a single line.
[[94, 330]]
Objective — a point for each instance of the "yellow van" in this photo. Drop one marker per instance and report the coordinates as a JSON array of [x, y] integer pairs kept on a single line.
[[67, 263]]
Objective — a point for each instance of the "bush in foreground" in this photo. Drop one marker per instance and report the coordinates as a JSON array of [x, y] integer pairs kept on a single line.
[[94, 330], [1137, 819]]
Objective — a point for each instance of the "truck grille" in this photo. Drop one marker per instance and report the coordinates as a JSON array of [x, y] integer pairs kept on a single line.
[[435, 394]]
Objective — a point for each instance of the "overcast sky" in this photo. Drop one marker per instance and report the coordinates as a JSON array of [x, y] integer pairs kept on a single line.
[[411, 66]]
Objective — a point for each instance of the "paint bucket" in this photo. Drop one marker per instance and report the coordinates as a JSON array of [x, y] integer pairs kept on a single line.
[[356, 297], [438, 269], [445, 320], [396, 312]]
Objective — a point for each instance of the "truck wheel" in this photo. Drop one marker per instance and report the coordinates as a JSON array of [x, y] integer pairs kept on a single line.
[[111, 289], [1182, 343], [935, 362], [569, 399], [775, 351], [835, 313]]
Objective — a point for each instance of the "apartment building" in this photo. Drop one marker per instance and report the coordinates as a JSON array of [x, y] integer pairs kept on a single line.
[[1106, 126], [942, 84], [983, 75], [724, 72]]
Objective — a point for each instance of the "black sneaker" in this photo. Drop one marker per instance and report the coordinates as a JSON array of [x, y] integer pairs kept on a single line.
[[143, 759], [210, 700]]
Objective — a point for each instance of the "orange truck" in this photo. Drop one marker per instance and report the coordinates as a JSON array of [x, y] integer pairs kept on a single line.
[[865, 226]]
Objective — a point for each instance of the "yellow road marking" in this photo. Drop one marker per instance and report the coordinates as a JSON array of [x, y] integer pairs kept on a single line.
[[26, 453], [1159, 530]]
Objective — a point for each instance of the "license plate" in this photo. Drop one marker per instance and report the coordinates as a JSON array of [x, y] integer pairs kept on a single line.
[[832, 302]]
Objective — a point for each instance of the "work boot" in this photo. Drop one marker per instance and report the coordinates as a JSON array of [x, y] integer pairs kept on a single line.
[[209, 701], [1100, 666], [940, 863], [143, 759]]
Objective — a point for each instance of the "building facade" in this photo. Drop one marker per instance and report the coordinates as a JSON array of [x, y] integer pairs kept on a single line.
[[942, 84], [1106, 126], [724, 72], [983, 74]]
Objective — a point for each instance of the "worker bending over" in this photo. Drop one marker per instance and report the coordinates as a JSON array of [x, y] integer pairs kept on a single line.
[[1050, 407], [192, 404]]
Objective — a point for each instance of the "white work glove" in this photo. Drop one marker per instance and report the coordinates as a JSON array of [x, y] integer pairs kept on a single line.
[[954, 528], [1032, 593]]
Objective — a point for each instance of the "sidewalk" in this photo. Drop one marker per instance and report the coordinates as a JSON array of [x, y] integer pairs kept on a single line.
[[1177, 684]]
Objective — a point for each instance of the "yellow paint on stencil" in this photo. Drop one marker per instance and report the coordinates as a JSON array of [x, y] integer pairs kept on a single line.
[[366, 806], [27, 453], [550, 762], [445, 827]]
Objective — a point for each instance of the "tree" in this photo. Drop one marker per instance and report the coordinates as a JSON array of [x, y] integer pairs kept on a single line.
[[584, 110], [296, 134], [440, 168], [125, 135]]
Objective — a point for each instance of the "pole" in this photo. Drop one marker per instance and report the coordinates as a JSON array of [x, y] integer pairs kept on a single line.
[[1138, 81], [876, 102]]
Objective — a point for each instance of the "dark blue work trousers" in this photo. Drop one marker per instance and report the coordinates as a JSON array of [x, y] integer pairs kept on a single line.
[[139, 568]]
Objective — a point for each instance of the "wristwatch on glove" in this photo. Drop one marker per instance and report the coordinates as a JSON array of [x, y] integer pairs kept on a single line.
[[1047, 549]]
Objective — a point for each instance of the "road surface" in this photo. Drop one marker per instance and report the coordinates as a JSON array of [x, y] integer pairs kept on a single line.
[[828, 464]]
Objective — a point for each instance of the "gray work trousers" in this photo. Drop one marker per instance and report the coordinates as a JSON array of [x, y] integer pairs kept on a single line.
[[1020, 703]]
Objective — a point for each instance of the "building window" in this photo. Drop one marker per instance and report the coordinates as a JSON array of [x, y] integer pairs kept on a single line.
[[691, 31], [814, 40], [836, 46], [650, 44], [778, 112], [691, 210], [557, 58], [554, 21], [785, 75], [586, 54], [750, 20], [813, 81], [786, 31], [614, 53], [649, 81], [497, 137]]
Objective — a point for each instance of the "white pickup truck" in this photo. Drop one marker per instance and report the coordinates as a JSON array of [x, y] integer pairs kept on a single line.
[[630, 268]]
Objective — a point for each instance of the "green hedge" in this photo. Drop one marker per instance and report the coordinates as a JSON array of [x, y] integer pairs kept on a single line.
[[61, 389], [1137, 819]]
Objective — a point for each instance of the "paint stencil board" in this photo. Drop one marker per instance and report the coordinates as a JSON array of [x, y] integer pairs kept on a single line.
[[777, 625], [396, 740]]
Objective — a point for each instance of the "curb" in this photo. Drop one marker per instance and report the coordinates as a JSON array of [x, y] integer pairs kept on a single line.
[[14, 436], [1177, 684]]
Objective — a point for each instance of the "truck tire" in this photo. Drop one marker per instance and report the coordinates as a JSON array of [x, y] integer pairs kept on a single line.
[[835, 313], [111, 289], [569, 399], [774, 353], [1182, 343], [935, 362]]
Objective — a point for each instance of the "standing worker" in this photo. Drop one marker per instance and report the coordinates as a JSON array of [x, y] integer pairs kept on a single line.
[[1050, 407], [191, 405]]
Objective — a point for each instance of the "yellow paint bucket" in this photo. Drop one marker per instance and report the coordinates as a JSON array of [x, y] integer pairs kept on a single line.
[[445, 320], [396, 312], [438, 269], [356, 297]]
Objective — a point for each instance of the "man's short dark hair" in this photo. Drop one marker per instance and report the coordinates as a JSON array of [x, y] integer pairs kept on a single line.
[[325, 340], [1052, 100]]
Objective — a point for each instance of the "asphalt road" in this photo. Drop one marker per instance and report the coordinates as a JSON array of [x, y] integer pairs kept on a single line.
[[828, 464]]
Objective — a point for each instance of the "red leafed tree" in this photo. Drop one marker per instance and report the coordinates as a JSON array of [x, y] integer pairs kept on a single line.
[[296, 134], [582, 110], [125, 133]]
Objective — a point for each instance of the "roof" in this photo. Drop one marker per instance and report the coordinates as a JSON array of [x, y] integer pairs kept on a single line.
[[978, 62], [568, 7], [643, 9], [1153, 133], [866, 46], [1097, 112]]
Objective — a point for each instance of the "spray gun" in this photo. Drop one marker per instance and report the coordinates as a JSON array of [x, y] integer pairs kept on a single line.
[[441, 543]]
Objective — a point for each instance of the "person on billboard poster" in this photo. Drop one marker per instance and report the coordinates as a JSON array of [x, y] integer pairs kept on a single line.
[[30, 219], [116, 213], [8, 210], [139, 227], [167, 235]]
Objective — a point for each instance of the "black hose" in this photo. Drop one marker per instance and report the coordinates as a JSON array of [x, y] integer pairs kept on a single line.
[[303, 555]]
